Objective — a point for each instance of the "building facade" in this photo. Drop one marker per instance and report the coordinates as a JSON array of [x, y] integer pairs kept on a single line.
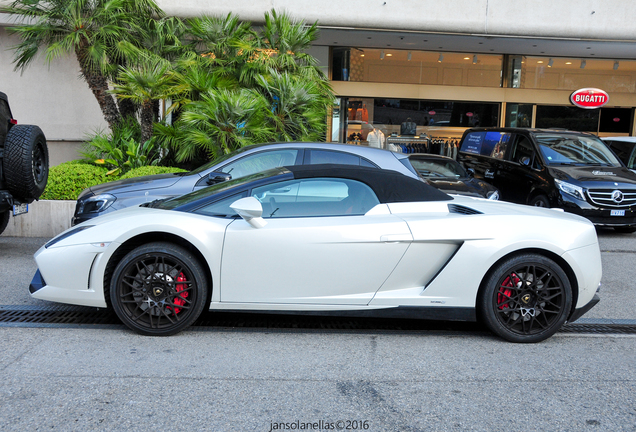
[[442, 66]]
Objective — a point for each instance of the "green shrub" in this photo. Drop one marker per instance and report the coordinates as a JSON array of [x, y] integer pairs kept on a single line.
[[67, 180], [150, 170]]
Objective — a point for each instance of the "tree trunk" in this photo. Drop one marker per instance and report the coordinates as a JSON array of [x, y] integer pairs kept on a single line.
[[147, 120], [98, 84]]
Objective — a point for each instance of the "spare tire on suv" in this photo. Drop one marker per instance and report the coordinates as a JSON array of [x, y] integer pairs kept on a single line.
[[24, 162]]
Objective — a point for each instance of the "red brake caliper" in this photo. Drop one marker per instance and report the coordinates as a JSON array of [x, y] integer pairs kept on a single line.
[[180, 299], [503, 297]]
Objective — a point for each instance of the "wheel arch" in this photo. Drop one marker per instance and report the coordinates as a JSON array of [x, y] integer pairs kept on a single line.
[[546, 253], [152, 237]]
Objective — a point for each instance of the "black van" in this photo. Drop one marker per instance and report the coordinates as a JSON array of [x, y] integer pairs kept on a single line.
[[554, 168]]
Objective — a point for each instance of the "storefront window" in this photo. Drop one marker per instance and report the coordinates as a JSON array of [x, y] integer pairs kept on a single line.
[[416, 67], [518, 115], [371, 121], [604, 120], [559, 73]]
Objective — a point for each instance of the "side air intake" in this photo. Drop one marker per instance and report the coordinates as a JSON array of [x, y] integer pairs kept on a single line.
[[454, 208]]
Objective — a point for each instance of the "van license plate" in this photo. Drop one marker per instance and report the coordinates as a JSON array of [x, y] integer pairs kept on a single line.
[[20, 209], [617, 212]]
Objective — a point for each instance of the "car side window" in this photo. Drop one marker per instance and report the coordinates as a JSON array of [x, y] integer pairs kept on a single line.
[[260, 162], [221, 208], [522, 152], [315, 157], [315, 198]]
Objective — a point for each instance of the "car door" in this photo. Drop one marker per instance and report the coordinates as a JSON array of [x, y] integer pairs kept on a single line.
[[515, 175], [317, 247]]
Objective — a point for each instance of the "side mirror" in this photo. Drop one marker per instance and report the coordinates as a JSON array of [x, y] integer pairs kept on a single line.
[[217, 177], [471, 172], [525, 160], [251, 210]]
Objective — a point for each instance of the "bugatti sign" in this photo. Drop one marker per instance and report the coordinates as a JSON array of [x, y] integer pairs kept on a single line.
[[589, 98]]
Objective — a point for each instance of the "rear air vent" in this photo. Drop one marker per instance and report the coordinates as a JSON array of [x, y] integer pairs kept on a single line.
[[454, 208]]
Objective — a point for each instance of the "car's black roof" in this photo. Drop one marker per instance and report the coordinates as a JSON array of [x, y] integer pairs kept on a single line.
[[389, 186]]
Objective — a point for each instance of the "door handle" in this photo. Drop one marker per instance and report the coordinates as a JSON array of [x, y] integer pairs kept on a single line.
[[394, 238]]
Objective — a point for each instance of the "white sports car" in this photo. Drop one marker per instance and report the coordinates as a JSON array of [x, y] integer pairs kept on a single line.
[[329, 239]]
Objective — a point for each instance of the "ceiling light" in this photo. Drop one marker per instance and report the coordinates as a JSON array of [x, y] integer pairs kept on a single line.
[[361, 55], [540, 62], [441, 58], [408, 56], [475, 59], [568, 63], [583, 64], [550, 63], [466, 58], [389, 55], [616, 65], [382, 55]]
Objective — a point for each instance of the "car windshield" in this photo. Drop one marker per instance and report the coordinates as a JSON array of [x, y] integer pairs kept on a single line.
[[569, 149], [215, 189], [438, 168]]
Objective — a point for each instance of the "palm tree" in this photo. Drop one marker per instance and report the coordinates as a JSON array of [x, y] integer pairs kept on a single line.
[[298, 110], [221, 122], [94, 30], [149, 81]]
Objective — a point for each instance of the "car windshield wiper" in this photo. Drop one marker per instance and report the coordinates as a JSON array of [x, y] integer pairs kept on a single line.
[[154, 203]]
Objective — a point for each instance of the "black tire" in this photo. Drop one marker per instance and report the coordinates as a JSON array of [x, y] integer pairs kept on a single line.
[[4, 220], [147, 294], [540, 201], [526, 298], [26, 162], [625, 229]]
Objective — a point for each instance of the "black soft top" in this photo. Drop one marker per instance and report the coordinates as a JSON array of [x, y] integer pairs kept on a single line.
[[4, 97], [389, 186]]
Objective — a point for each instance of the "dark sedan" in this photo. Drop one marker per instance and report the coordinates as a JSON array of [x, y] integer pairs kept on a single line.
[[449, 176]]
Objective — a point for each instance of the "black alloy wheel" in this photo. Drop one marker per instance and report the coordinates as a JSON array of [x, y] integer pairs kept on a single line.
[[158, 289], [526, 298]]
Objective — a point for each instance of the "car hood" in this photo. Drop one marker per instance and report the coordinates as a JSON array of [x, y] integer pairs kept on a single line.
[[137, 184], [595, 176]]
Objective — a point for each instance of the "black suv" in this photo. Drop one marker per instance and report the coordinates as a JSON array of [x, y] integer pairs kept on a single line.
[[554, 168], [24, 164]]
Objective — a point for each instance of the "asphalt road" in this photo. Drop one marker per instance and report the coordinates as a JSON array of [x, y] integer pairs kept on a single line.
[[225, 379]]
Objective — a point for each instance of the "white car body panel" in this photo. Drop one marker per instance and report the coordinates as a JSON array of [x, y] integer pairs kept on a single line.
[[406, 254]]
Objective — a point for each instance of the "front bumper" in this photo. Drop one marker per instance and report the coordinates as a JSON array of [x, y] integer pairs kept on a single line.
[[597, 215]]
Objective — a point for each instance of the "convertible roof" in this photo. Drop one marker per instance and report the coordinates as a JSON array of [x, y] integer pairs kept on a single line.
[[389, 186]]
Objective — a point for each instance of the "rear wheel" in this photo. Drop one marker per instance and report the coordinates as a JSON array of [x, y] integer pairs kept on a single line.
[[526, 298], [540, 201], [4, 220], [26, 162], [158, 289]]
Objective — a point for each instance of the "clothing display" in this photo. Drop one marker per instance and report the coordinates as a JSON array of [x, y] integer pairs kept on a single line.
[[376, 138], [441, 146]]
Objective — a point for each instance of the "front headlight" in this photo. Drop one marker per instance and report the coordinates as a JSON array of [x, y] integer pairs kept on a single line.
[[95, 204], [493, 195], [570, 189]]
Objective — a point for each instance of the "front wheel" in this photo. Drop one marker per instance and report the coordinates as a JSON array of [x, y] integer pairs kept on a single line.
[[158, 289], [526, 298], [540, 201]]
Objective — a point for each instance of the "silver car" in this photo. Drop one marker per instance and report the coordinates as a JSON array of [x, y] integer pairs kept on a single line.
[[108, 197]]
